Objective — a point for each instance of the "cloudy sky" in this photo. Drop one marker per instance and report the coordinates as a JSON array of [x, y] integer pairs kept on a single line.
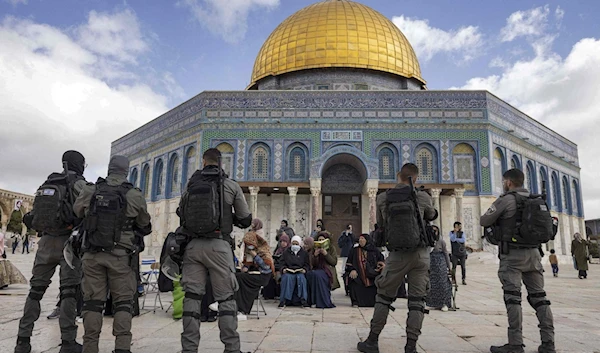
[[80, 74]]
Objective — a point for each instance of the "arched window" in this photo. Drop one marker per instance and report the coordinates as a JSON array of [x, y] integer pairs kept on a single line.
[[189, 165], [544, 183], [227, 159], [575, 198], [425, 161], [173, 181], [565, 196], [464, 163], [260, 163], [145, 182], [158, 178], [530, 183], [297, 163], [133, 177], [556, 192], [499, 169], [515, 163], [387, 164]]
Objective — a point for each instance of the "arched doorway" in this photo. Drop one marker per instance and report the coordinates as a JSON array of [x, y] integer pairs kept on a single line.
[[342, 184]]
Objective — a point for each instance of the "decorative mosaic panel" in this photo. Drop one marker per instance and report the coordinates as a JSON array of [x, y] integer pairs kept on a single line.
[[278, 154], [445, 153], [341, 135], [405, 153], [241, 148]]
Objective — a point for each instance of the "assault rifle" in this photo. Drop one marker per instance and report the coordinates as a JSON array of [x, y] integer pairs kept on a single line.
[[425, 236]]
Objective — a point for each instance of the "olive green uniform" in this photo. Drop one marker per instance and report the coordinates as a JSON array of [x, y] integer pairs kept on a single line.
[[520, 263], [48, 256], [414, 264], [111, 271]]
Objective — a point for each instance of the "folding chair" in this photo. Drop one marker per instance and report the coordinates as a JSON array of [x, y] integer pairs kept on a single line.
[[149, 271], [257, 302]]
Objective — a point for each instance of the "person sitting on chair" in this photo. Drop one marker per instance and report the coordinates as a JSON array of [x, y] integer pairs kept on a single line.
[[294, 266], [323, 277]]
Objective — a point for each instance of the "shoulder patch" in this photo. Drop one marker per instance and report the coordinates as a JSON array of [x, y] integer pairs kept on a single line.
[[491, 210]]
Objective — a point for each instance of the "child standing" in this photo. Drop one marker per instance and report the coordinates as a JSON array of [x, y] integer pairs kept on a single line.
[[554, 262]]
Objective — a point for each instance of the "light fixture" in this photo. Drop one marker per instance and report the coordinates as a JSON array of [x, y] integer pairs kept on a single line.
[[275, 189]]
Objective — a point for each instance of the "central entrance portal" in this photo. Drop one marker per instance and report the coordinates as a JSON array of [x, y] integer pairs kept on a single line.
[[342, 186]]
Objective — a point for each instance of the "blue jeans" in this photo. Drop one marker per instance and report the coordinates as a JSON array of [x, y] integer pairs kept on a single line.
[[290, 283]]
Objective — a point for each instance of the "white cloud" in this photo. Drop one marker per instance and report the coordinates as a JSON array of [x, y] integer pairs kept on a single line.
[[428, 41], [51, 99], [117, 36], [526, 23], [564, 94], [227, 18]]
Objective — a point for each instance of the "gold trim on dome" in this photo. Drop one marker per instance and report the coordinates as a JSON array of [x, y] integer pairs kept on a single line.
[[336, 34]]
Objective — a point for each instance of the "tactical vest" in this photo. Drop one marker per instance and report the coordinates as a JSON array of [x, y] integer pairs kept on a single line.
[[537, 229], [106, 218], [200, 208], [402, 231]]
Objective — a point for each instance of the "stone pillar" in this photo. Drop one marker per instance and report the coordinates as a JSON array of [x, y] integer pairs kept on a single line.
[[315, 193], [372, 207], [254, 200], [459, 207], [435, 195], [293, 191]]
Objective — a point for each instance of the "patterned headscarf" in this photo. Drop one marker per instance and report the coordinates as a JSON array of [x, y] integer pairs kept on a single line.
[[309, 243], [262, 247]]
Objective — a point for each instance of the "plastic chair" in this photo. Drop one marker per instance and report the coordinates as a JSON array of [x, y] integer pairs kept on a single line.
[[257, 302], [149, 271]]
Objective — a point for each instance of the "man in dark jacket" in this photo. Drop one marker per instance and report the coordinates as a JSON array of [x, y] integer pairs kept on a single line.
[[47, 258]]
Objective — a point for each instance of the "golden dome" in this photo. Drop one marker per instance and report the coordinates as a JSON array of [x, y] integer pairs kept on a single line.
[[336, 33]]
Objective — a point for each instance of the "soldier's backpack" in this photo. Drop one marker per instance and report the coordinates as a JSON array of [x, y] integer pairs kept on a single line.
[[402, 231], [534, 224], [106, 218], [200, 209], [52, 207]]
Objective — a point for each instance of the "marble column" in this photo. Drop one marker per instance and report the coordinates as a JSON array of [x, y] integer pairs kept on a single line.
[[315, 193], [254, 200], [293, 191], [459, 206], [435, 195], [372, 207]]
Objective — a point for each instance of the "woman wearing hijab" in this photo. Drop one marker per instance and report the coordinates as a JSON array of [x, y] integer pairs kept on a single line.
[[365, 263], [272, 289], [579, 250], [440, 292], [257, 268], [294, 266], [323, 277]]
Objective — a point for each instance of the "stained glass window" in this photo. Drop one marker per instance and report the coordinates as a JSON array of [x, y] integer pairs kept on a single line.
[[575, 198], [425, 164], [464, 163], [530, 178], [190, 164], [555, 199], [146, 181], [565, 194], [159, 177], [133, 177], [297, 164], [227, 159], [260, 163], [387, 165], [498, 170], [174, 182]]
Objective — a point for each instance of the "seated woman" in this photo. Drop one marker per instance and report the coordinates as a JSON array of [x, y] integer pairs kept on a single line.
[[257, 268], [440, 292], [294, 266], [273, 288], [365, 263], [323, 277]]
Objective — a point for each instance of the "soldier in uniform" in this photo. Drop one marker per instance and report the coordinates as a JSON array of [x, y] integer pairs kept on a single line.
[[48, 256], [519, 262], [414, 263], [211, 254], [110, 269]]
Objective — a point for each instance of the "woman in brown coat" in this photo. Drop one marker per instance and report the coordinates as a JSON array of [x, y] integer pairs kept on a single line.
[[580, 254]]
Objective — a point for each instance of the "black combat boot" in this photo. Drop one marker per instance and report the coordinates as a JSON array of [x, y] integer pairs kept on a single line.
[[508, 348], [70, 347], [371, 345], [547, 347], [23, 345], [411, 346]]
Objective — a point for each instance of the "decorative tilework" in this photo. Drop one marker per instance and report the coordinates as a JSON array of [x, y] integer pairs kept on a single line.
[[241, 148], [341, 135], [445, 153], [278, 160], [371, 164], [405, 153]]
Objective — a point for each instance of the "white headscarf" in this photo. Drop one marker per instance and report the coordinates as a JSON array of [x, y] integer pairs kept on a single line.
[[299, 240]]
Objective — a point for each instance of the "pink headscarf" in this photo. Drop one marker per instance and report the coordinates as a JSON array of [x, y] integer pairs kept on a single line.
[[257, 224]]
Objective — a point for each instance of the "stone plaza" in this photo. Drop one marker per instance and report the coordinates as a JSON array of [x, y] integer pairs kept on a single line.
[[479, 323]]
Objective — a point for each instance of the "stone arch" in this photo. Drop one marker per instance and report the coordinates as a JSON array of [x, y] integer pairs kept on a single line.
[[530, 177], [370, 164], [343, 174]]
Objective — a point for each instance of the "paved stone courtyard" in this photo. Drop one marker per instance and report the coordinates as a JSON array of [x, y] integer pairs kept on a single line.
[[480, 322]]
